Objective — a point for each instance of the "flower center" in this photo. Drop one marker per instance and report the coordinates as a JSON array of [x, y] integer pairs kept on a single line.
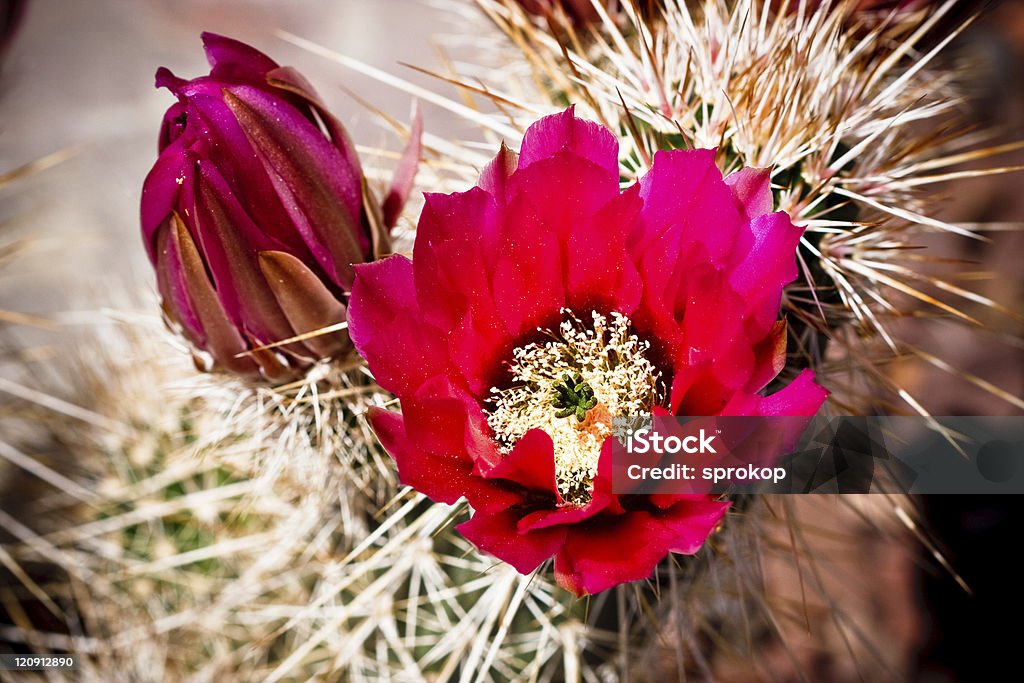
[[573, 396], [572, 386]]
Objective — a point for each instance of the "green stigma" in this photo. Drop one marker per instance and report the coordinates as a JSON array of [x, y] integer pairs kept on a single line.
[[573, 396]]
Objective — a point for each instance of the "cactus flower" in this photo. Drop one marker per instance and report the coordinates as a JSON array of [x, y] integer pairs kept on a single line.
[[545, 302]]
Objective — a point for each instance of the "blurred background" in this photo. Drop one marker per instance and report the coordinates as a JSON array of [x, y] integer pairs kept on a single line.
[[79, 79]]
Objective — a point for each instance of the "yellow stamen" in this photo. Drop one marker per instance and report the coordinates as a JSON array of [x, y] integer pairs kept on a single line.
[[610, 360]]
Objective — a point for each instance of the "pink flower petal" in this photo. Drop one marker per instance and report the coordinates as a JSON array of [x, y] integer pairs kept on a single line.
[[768, 266], [405, 173], [599, 555], [230, 242], [477, 348], [564, 190], [234, 60], [564, 132], [316, 187], [685, 188], [752, 189], [160, 193], [689, 522], [496, 534], [527, 283], [601, 276], [531, 463], [457, 236], [443, 418], [495, 176], [802, 396], [602, 500], [445, 478], [387, 327], [770, 357]]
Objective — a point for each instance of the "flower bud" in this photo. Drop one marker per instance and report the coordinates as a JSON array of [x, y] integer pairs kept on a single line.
[[255, 213]]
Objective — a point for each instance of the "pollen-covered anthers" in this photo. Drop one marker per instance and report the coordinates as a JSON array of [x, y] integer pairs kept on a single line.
[[571, 387]]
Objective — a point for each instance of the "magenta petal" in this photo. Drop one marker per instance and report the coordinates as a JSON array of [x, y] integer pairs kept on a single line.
[[601, 276], [216, 332], [602, 489], [683, 381], [230, 243], [685, 187], [563, 516], [752, 189], [768, 266], [531, 463], [166, 79], [454, 251], [496, 534], [743, 403], [387, 327], [714, 331], [294, 84], [442, 478], [621, 549], [495, 176], [528, 275], [602, 500], [770, 357], [233, 60], [160, 193], [689, 522], [665, 273], [216, 138], [171, 280], [173, 125], [318, 190], [664, 501], [443, 418], [477, 348], [564, 132], [564, 191], [802, 396]]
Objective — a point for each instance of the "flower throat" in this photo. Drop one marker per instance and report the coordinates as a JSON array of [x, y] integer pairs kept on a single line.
[[571, 387]]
